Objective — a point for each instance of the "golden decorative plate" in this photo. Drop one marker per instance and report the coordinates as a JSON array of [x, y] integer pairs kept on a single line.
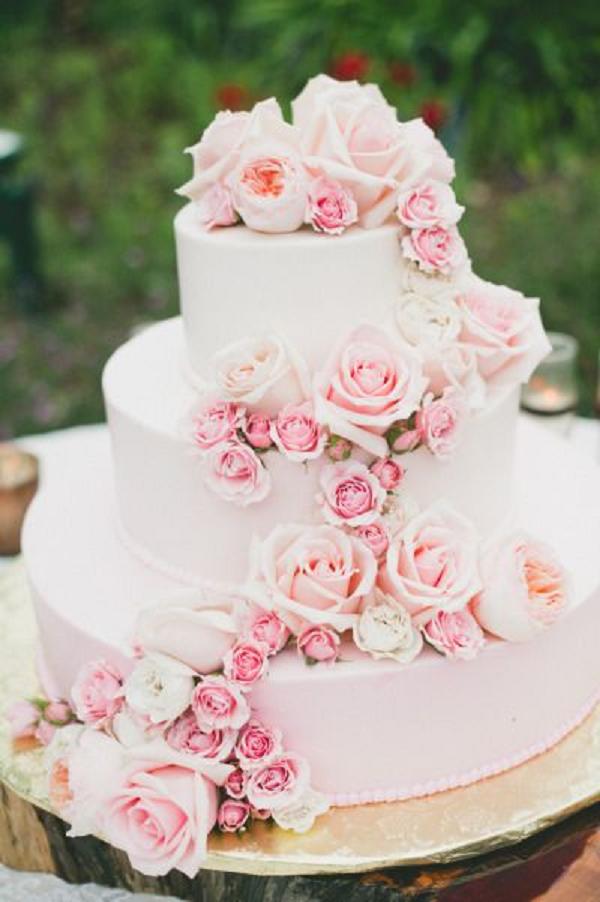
[[442, 828]]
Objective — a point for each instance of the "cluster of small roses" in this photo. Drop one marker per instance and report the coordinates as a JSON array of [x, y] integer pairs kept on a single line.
[[345, 159], [168, 743], [37, 719], [431, 580], [429, 214]]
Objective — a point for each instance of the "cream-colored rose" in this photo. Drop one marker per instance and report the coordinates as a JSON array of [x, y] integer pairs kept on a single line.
[[197, 630], [262, 373], [301, 815], [525, 588], [351, 135], [159, 688], [385, 630]]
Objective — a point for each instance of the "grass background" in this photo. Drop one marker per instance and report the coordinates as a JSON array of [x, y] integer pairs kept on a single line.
[[107, 95]]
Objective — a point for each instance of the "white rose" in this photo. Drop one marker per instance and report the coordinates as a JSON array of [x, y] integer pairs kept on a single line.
[[300, 816], [261, 373], [385, 630], [159, 688], [197, 630], [428, 323]]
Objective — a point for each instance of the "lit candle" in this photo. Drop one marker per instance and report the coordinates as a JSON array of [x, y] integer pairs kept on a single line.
[[18, 485], [552, 389]]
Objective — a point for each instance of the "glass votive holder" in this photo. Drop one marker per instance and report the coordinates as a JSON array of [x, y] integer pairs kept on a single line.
[[552, 389]]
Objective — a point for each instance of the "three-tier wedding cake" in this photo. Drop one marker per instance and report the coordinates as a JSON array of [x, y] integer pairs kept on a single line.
[[319, 463]]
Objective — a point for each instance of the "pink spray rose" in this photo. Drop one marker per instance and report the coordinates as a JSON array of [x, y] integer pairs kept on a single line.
[[319, 643], [257, 430], [376, 536], [435, 249], [234, 472], [97, 693], [269, 630], [505, 330], [314, 575], [215, 422], [161, 818], [58, 713], [525, 588], [407, 441], [368, 383], [456, 635], [389, 473], [233, 815], [433, 563], [278, 783], [430, 204], [23, 718], [236, 783], [185, 735], [245, 663], [257, 745], [330, 208], [219, 705], [441, 421], [351, 494], [296, 432], [338, 448], [215, 207]]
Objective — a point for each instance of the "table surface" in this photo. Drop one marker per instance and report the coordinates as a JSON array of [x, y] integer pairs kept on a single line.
[[561, 864]]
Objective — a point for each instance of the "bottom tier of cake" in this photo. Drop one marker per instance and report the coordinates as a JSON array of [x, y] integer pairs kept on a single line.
[[371, 730]]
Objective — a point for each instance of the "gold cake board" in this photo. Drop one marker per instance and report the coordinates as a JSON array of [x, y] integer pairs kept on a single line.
[[438, 829]]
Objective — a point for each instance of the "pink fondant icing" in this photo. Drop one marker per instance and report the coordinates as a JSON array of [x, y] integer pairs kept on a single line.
[[370, 729]]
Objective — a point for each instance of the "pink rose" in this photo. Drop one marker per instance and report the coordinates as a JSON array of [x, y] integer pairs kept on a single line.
[[367, 384], [319, 643], [389, 473], [257, 745], [278, 783], [435, 249], [219, 705], [236, 784], [97, 693], [351, 494], [456, 635], [441, 422], [260, 814], [257, 430], [433, 563], [350, 135], [269, 630], [376, 536], [245, 663], [331, 208], [215, 422], [423, 142], [216, 154], [314, 574], [233, 816], [524, 588], [161, 818], [23, 718], [296, 432], [197, 631], [234, 472], [430, 204], [505, 330], [215, 207], [269, 188], [407, 441], [184, 735]]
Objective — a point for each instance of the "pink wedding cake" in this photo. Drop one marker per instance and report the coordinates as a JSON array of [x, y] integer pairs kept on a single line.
[[315, 560]]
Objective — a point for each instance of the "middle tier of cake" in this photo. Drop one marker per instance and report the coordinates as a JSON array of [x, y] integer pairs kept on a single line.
[[172, 521]]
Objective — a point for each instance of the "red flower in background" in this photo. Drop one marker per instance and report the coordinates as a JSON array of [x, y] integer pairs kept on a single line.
[[232, 97], [434, 113], [350, 65], [402, 73]]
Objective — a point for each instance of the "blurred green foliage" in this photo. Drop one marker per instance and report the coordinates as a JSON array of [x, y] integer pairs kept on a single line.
[[107, 95]]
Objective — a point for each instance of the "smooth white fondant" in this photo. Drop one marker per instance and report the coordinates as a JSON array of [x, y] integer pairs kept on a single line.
[[170, 518], [371, 730], [308, 288]]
